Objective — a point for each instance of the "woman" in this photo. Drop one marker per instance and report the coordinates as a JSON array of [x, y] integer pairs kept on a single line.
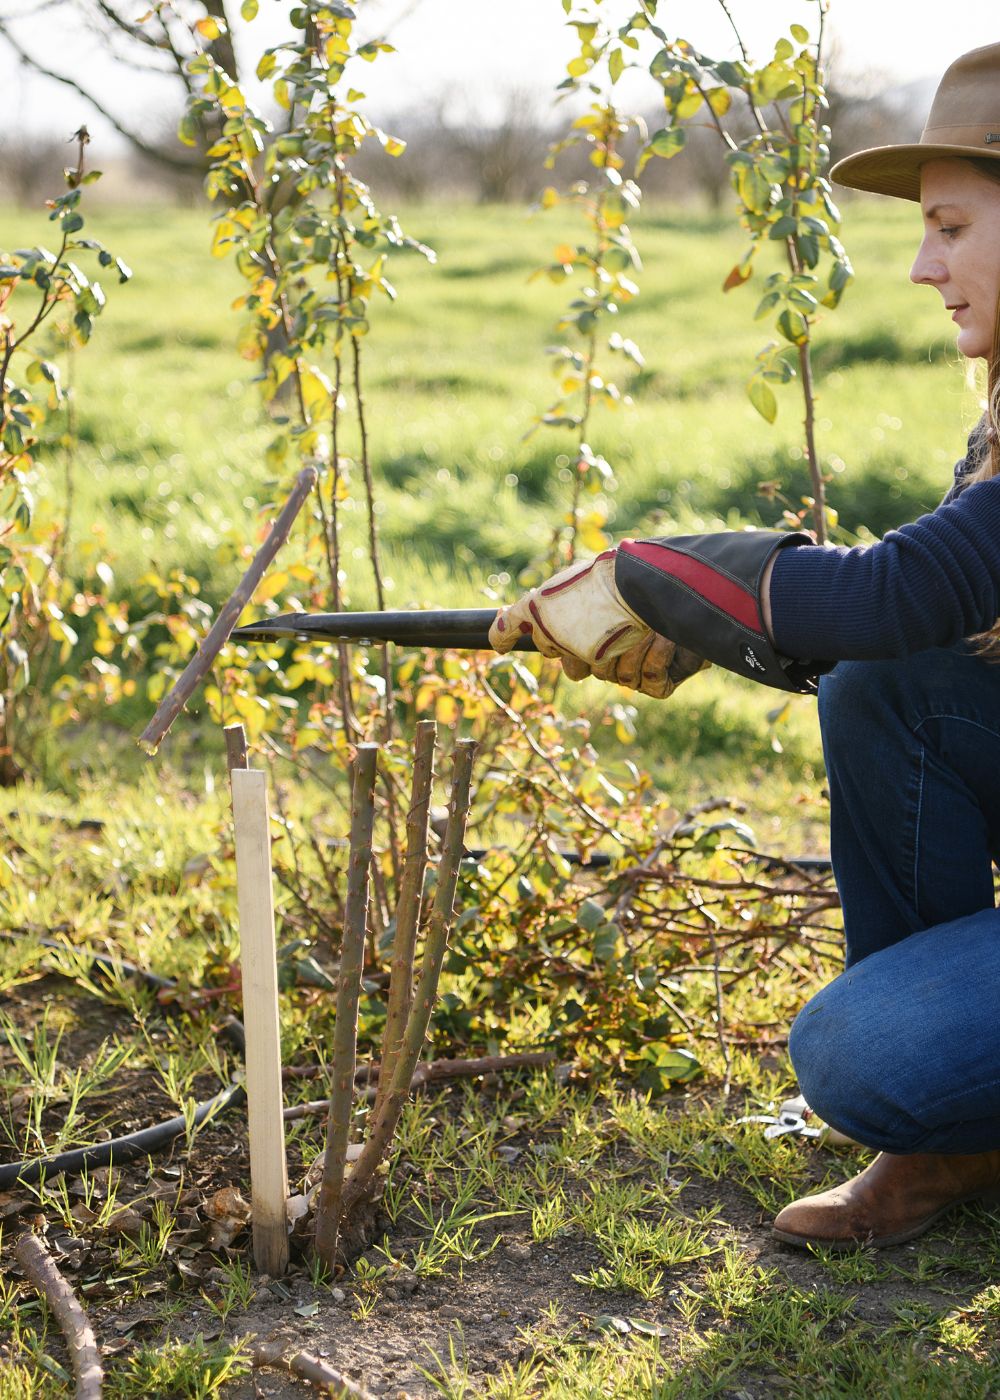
[[902, 1051]]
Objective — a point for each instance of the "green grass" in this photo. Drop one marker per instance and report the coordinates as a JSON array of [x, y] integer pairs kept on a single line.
[[172, 436], [642, 1220], [170, 460]]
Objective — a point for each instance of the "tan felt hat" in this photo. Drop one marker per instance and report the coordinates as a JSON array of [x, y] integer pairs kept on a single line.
[[964, 120]]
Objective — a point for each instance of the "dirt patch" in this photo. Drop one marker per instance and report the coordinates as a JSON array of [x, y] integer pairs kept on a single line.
[[384, 1324]]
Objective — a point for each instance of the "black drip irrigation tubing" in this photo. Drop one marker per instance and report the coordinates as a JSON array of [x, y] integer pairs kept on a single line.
[[118, 1151], [144, 1141], [600, 860]]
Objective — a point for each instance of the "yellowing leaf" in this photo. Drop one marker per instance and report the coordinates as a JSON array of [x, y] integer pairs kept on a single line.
[[270, 586], [210, 28], [737, 277], [225, 231], [446, 709], [317, 391]]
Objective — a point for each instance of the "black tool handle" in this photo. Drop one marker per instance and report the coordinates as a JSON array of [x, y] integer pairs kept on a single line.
[[463, 628]]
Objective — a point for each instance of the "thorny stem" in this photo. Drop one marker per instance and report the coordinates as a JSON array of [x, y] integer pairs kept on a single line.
[[426, 991], [345, 1050], [366, 468], [410, 892], [804, 350], [600, 228], [333, 536]]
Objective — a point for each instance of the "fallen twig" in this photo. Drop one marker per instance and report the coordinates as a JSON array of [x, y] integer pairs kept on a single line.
[[310, 1368], [73, 1322], [182, 690], [434, 1071]]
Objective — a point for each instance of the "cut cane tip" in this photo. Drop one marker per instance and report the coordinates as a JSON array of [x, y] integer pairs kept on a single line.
[[148, 747]]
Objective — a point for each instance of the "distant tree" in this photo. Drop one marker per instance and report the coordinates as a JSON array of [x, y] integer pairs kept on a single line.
[[161, 44]]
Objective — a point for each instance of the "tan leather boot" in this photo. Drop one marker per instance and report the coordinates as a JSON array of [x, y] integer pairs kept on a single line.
[[891, 1201]]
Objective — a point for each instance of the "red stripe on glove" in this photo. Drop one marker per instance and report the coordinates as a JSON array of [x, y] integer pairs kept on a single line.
[[715, 588]]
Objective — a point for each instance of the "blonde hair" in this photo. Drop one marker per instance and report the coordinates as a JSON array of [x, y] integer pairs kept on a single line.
[[987, 644]]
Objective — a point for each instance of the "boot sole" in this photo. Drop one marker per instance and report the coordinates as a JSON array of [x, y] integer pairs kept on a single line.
[[989, 1197]]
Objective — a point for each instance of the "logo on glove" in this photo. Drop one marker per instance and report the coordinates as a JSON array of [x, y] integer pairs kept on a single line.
[[753, 660]]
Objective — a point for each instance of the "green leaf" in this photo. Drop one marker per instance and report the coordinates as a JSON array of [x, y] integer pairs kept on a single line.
[[799, 33], [763, 400], [667, 141], [188, 129], [591, 916], [249, 8], [793, 326], [605, 946], [616, 64], [607, 1323], [678, 1065]]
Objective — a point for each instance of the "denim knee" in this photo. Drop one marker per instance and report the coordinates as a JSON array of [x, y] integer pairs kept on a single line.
[[853, 692], [841, 1056]]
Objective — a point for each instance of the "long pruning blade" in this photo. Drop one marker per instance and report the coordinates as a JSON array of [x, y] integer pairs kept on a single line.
[[462, 628]]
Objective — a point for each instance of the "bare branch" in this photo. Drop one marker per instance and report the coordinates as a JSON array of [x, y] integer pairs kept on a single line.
[[38, 1266], [154, 152]]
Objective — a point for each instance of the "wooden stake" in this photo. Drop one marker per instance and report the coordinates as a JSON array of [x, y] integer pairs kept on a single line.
[[258, 959]]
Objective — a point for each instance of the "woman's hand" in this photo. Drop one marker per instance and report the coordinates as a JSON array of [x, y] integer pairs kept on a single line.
[[580, 617]]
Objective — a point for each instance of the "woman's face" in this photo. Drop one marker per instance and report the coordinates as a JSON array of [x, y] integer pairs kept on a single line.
[[960, 252]]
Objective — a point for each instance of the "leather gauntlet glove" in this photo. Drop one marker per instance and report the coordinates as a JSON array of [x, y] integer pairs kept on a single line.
[[580, 617], [700, 591], [704, 592]]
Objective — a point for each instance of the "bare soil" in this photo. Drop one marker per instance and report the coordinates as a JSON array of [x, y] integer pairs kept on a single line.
[[385, 1337]]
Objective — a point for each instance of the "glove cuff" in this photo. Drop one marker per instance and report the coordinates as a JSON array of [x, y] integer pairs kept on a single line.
[[703, 592]]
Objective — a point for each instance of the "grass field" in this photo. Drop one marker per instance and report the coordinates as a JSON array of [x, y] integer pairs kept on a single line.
[[172, 437]]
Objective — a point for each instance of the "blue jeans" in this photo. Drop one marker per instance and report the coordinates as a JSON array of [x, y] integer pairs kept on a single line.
[[902, 1051]]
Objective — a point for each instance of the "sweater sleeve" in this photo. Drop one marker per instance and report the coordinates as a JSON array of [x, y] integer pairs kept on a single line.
[[927, 584]]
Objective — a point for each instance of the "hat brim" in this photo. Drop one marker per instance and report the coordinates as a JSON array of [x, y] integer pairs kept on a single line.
[[895, 170]]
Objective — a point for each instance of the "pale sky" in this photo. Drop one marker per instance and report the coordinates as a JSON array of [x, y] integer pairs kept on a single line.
[[472, 53]]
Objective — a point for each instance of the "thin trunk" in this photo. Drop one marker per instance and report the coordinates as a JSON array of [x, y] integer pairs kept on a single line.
[[410, 893], [426, 992], [345, 1047]]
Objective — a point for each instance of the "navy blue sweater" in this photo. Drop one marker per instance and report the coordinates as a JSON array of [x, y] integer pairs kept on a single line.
[[927, 584]]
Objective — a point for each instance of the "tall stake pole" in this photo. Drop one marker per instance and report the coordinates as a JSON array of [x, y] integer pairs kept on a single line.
[[258, 959]]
